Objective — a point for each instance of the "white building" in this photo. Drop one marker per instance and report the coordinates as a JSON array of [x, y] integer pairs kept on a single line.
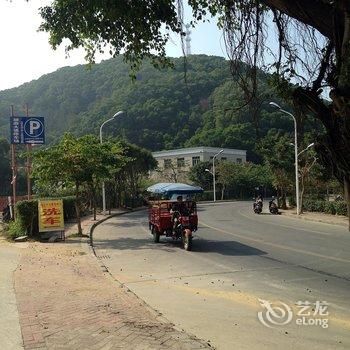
[[174, 164]]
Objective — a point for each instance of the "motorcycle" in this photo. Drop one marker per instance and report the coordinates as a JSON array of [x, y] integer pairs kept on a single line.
[[257, 207], [182, 230], [273, 207]]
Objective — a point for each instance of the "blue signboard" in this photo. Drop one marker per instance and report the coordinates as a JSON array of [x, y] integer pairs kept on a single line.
[[27, 130]]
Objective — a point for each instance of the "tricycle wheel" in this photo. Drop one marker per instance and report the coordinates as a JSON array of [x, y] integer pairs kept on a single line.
[[155, 234], [187, 242]]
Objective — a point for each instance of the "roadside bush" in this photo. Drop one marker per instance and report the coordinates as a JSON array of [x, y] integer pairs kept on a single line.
[[314, 205], [15, 229], [340, 208], [69, 208], [292, 202], [329, 208], [26, 214], [321, 206], [206, 196]]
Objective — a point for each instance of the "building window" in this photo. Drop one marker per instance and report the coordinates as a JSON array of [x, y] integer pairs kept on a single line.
[[180, 162], [223, 158], [195, 160], [167, 163], [239, 160]]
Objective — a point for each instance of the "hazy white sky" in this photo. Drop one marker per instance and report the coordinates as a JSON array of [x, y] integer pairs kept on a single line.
[[26, 53]]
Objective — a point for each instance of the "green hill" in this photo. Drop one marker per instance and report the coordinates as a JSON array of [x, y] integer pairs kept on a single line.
[[163, 110]]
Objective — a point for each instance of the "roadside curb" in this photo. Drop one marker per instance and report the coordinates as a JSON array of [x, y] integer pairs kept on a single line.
[[219, 201], [94, 225]]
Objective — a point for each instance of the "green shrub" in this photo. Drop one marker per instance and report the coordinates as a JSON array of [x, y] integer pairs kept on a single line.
[[26, 214], [340, 208], [206, 196], [329, 208], [69, 208], [292, 202], [321, 206], [314, 205], [15, 229]]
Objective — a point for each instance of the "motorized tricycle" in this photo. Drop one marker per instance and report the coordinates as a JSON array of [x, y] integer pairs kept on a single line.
[[163, 217]]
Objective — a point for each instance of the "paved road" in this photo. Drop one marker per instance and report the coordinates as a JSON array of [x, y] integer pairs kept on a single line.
[[239, 258]]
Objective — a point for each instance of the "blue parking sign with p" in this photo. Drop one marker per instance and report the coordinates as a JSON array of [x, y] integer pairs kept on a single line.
[[27, 130]]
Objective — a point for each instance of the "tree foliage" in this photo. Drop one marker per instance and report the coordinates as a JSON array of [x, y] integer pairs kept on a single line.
[[5, 170], [277, 153], [76, 162], [126, 184], [162, 112], [241, 179], [200, 177], [313, 49]]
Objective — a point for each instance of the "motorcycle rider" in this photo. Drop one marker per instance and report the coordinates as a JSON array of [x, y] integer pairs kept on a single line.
[[273, 206], [258, 200], [178, 208]]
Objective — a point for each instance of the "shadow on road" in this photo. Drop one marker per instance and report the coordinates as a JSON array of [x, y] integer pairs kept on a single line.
[[229, 248], [128, 243], [123, 224]]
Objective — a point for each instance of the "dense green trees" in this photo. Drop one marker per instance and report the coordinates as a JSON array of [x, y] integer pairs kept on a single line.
[[77, 163], [313, 49], [126, 184], [5, 170], [278, 156], [162, 110], [232, 179]]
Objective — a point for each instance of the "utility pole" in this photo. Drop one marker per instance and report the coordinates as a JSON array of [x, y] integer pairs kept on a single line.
[[214, 176], [29, 163], [14, 170], [188, 40], [295, 153]]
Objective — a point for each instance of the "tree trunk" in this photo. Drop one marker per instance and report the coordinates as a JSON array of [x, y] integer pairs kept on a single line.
[[301, 198], [222, 192], [77, 209], [283, 197], [347, 196], [93, 199], [301, 195]]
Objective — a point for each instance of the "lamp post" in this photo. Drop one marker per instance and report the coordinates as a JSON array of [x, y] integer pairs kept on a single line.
[[295, 153], [103, 183], [214, 177], [307, 148]]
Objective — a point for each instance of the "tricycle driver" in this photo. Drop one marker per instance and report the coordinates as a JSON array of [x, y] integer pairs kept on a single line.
[[178, 209]]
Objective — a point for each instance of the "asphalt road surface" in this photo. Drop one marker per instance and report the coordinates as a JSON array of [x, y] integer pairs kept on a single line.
[[251, 281]]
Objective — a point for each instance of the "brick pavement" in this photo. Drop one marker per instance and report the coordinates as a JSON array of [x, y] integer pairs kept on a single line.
[[65, 301]]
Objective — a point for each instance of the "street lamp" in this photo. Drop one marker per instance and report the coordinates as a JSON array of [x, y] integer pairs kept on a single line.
[[103, 183], [307, 148], [295, 151], [214, 180]]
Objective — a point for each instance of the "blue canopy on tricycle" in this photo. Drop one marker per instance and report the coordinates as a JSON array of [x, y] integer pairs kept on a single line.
[[169, 189]]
